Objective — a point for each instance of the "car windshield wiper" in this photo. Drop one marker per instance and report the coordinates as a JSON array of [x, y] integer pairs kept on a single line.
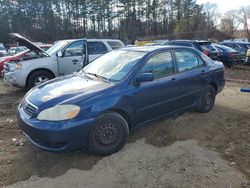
[[98, 76]]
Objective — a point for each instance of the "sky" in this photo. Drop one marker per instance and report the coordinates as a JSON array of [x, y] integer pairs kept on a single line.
[[225, 5]]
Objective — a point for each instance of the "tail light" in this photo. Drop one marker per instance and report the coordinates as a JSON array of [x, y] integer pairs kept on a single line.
[[206, 52]]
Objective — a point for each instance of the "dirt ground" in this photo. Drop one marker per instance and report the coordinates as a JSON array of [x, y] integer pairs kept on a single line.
[[189, 150]]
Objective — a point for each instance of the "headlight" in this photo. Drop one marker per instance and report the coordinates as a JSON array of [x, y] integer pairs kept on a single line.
[[18, 66], [59, 113], [14, 66]]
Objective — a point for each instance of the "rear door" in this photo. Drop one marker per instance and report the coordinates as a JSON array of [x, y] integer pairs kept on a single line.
[[191, 77], [72, 59]]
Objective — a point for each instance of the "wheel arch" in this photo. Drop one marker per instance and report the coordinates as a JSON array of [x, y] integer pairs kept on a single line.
[[215, 86], [38, 69], [124, 114]]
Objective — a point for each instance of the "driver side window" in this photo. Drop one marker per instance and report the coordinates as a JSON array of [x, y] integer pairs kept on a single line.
[[161, 65], [74, 49]]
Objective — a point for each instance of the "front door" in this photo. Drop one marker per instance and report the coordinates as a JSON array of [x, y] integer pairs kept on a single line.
[[72, 59], [156, 98]]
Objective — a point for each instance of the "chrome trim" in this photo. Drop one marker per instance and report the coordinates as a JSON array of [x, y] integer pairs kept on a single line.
[[31, 104], [26, 103]]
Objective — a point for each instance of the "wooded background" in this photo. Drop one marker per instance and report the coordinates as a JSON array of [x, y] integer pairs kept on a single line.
[[128, 20]]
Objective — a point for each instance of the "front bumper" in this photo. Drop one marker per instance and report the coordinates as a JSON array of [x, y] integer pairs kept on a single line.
[[58, 136], [12, 78]]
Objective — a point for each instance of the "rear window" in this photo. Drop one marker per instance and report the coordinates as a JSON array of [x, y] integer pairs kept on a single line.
[[115, 44], [97, 48], [181, 44], [2, 48], [207, 46]]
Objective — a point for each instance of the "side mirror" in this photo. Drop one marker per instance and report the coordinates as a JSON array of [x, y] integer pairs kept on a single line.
[[144, 77], [59, 54]]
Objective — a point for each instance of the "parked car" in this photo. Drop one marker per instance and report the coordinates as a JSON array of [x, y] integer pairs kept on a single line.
[[241, 47], [203, 46], [16, 50], [97, 107], [64, 57], [228, 55], [2, 50], [21, 56]]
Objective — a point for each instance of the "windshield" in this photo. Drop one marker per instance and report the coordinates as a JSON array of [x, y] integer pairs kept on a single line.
[[2, 48], [114, 65], [55, 48]]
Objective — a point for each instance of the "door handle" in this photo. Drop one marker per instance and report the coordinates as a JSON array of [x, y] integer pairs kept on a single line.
[[74, 61], [203, 71], [173, 79]]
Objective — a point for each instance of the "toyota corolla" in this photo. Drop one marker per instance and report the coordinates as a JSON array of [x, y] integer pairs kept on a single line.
[[97, 107]]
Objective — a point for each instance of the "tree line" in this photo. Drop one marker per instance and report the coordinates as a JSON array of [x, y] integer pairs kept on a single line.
[[128, 20]]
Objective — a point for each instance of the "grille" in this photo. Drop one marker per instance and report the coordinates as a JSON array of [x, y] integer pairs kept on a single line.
[[29, 108]]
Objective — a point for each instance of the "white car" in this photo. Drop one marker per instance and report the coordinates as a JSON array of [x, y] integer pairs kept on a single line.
[[64, 57]]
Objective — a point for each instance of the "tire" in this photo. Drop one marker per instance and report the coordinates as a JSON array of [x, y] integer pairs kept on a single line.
[[35, 76], [111, 125], [207, 99]]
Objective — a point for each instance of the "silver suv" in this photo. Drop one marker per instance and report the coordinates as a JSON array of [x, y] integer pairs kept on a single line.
[[64, 57]]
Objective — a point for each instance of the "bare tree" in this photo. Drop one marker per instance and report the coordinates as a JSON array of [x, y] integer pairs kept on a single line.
[[244, 19], [230, 22], [211, 12]]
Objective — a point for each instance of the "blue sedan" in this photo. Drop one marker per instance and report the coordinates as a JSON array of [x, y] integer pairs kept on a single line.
[[97, 107]]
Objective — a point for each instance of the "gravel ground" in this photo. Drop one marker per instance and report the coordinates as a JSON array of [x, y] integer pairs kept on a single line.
[[189, 150], [183, 164]]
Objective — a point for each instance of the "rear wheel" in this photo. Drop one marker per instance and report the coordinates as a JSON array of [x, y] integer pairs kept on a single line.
[[207, 100], [38, 78], [108, 134]]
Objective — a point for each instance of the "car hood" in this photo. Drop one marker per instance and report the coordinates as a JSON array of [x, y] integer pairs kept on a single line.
[[5, 58], [25, 42], [68, 89]]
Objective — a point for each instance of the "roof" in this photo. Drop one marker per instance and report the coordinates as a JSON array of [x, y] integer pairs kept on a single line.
[[235, 42], [153, 48], [188, 41], [93, 39]]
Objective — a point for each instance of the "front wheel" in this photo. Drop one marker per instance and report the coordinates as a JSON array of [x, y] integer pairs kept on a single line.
[[108, 134], [207, 100], [38, 77]]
